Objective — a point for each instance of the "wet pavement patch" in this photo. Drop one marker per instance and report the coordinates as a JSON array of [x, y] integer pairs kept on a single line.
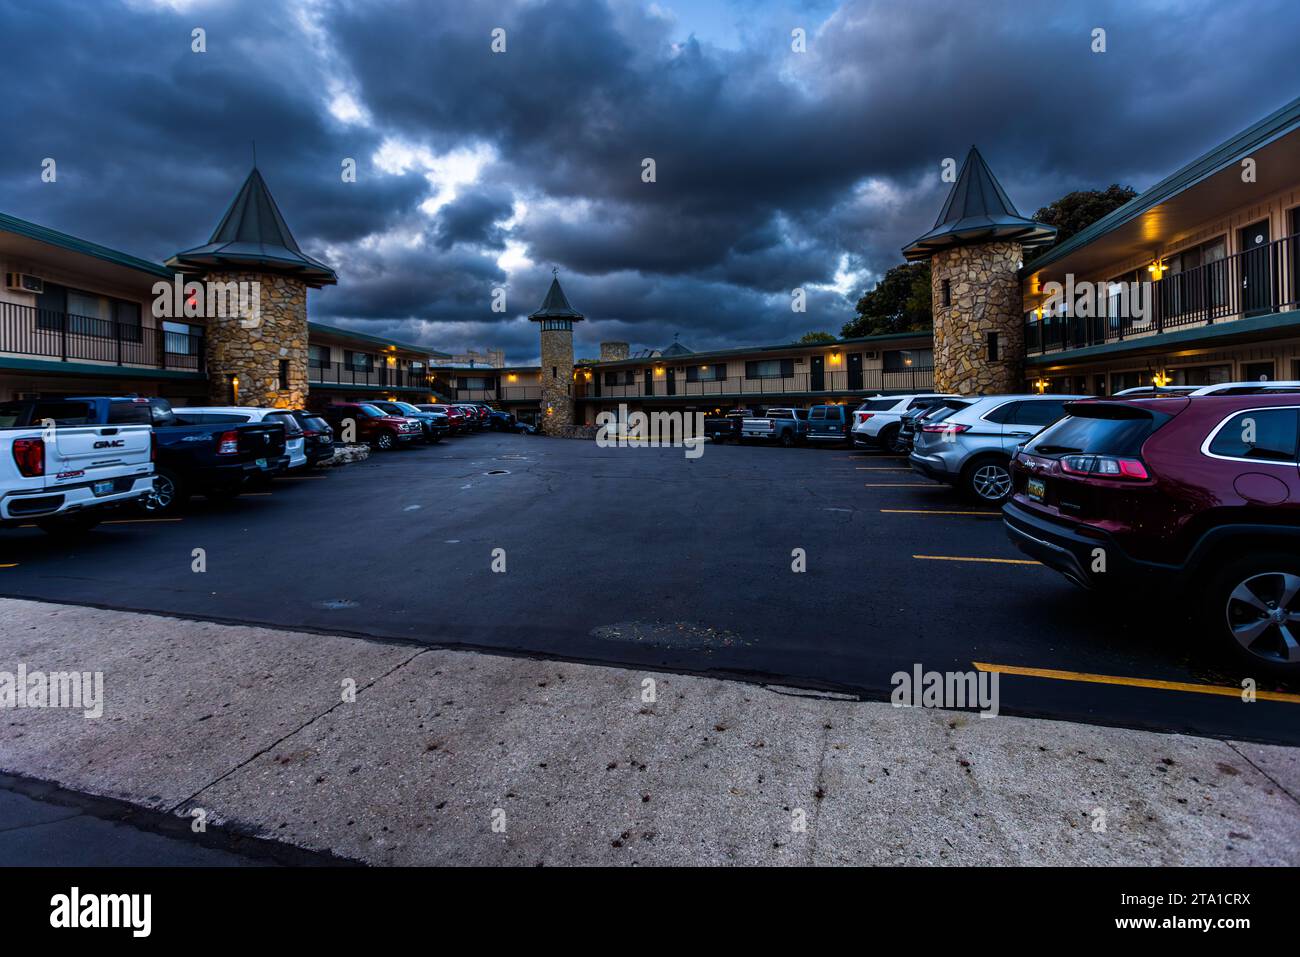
[[336, 604], [670, 634]]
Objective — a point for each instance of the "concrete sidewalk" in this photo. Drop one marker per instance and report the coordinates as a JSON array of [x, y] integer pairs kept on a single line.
[[449, 757]]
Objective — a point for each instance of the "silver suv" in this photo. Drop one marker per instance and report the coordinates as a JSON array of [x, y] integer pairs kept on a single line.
[[971, 448]]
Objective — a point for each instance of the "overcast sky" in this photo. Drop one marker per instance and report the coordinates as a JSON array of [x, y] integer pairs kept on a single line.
[[775, 169]]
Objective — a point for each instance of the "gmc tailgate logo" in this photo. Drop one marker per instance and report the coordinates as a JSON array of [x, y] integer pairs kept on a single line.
[[110, 444]]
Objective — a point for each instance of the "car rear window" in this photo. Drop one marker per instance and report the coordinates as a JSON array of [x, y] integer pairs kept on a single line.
[[1265, 434], [1038, 412], [130, 412], [1110, 435], [877, 405], [291, 426]]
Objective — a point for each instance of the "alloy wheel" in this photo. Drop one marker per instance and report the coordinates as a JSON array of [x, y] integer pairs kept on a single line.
[[385, 441], [162, 496], [1264, 616], [991, 482]]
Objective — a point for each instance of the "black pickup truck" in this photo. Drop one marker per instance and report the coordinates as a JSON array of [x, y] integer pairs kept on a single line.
[[725, 427], [191, 456]]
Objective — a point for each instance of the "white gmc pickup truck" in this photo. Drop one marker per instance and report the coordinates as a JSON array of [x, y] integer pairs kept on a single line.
[[65, 478]]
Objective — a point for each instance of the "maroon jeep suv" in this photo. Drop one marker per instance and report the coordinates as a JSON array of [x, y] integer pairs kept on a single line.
[[1200, 493]]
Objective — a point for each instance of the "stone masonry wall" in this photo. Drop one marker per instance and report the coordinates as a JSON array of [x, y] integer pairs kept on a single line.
[[254, 353], [985, 296], [613, 351], [557, 390]]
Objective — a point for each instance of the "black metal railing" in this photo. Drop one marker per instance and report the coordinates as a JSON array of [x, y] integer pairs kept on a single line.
[[1249, 283], [48, 333], [907, 379], [341, 373]]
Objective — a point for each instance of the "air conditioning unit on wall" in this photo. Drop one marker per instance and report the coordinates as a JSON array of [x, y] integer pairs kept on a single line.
[[871, 355], [22, 282]]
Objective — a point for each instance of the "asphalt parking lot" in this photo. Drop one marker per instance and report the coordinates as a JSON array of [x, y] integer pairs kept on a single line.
[[646, 558]]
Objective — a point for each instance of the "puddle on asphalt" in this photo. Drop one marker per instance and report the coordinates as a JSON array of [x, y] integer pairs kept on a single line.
[[335, 604], [670, 634]]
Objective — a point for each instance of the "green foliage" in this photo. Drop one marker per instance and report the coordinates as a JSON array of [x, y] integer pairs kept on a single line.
[[1075, 212], [817, 336], [900, 302]]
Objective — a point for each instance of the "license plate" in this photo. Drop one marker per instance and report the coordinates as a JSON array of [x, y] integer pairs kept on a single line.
[[102, 488], [260, 463], [1036, 489]]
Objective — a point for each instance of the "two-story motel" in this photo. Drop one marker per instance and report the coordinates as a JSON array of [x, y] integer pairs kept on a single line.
[[1217, 241]]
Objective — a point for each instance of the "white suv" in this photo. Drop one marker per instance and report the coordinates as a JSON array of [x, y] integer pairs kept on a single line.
[[876, 421]]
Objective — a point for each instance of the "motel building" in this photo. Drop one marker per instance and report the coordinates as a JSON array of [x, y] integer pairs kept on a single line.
[[1214, 250], [77, 318], [1219, 241]]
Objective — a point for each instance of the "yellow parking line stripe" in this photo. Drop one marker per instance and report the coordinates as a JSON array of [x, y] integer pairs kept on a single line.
[[968, 558], [933, 511], [14, 565], [1224, 690]]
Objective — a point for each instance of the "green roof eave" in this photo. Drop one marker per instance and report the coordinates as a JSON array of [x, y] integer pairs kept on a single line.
[[365, 337], [82, 368], [44, 234], [1252, 327], [1270, 128]]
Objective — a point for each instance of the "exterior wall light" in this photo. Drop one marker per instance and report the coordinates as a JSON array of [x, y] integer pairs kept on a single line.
[[512, 378], [1157, 269], [835, 358], [1161, 379]]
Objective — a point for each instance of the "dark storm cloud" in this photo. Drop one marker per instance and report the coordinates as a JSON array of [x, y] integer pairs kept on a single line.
[[774, 169], [473, 219]]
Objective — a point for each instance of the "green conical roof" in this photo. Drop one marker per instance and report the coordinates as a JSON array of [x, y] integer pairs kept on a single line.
[[978, 210], [253, 235], [556, 304]]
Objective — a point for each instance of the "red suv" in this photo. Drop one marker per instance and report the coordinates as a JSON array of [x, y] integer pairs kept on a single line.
[[1200, 492], [373, 426]]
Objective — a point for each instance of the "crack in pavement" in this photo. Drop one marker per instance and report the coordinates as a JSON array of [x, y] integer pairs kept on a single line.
[[1276, 783], [289, 734]]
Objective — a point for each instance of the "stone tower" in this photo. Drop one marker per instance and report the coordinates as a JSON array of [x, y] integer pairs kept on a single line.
[[975, 251], [556, 318], [255, 281]]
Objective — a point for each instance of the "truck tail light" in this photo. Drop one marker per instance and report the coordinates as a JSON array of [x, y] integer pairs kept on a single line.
[[228, 444], [1105, 466], [862, 416], [29, 456], [940, 427]]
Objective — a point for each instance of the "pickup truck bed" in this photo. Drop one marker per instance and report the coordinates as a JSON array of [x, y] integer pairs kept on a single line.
[[66, 478]]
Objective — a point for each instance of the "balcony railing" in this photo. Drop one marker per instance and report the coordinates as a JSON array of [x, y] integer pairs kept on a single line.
[[47, 333], [909, 379], [339, 373], [1251, 283], [507, 393]]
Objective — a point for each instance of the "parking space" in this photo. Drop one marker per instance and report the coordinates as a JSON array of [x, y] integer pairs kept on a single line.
[[645, 557]]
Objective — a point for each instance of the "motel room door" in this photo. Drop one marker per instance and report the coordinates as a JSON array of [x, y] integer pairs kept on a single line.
[[670, 378], [855, 370], [817, 378], [1256, 270]]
